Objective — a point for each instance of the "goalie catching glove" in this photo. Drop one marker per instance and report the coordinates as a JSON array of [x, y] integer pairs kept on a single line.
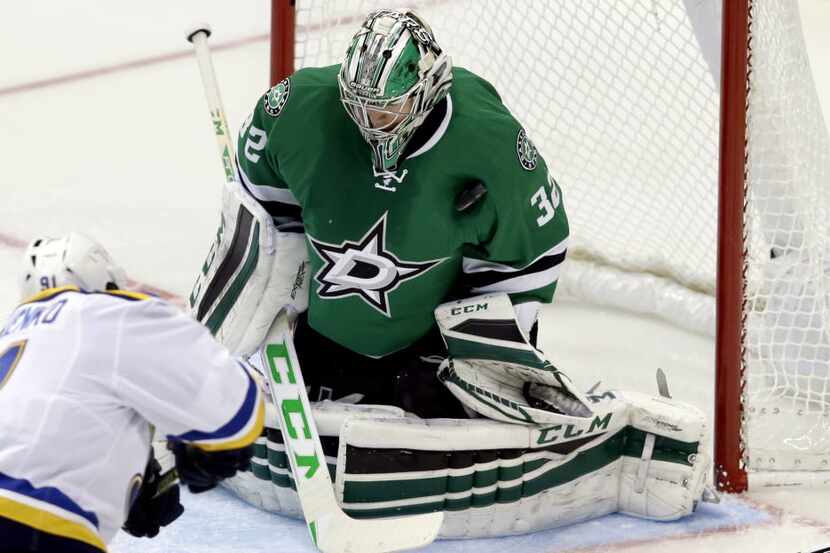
[[493, 370]]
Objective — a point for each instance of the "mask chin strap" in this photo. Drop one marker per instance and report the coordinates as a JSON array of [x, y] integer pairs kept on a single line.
[[378, 158]]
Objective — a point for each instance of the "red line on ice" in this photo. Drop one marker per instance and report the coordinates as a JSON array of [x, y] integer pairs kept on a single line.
[[123, 66], [778, 517], [173, 56], [11, 241]]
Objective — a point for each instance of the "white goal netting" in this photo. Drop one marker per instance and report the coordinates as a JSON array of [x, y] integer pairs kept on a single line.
[[622, 99]]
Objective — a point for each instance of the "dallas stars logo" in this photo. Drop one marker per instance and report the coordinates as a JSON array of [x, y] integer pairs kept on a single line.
[[277, 96], [365, 268], [526, 150]]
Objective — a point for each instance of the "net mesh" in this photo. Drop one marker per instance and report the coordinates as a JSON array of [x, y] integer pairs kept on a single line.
[[788, 351], [622, 100]]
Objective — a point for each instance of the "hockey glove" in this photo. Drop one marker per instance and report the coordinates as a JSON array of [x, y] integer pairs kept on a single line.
[[157, 503], [494, 370], [202, 470]]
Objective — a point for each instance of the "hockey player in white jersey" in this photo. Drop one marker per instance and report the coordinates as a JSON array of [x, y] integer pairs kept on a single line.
[[87, 370]]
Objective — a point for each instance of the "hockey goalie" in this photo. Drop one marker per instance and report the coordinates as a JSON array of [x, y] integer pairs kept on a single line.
[[398, 219]]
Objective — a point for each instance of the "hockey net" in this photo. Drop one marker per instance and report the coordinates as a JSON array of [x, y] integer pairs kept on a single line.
[[623, 100]]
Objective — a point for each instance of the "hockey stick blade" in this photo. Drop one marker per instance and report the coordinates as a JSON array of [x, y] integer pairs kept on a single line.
[[332, 530], [663, 384]]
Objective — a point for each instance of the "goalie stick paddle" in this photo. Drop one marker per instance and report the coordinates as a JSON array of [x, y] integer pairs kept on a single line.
[[332, 530]]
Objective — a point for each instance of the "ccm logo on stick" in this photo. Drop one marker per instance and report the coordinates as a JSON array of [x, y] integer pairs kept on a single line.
[[293, 411]]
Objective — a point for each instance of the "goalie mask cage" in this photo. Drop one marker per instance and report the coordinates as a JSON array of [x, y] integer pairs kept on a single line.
[[690, 143]]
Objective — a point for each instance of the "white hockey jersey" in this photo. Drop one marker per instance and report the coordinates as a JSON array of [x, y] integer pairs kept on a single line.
[[82, 378]]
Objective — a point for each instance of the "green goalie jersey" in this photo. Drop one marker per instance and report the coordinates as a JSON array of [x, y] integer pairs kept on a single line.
[[386, 249]]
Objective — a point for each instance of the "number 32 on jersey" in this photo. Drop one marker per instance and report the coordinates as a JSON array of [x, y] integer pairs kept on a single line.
[[546, 199]]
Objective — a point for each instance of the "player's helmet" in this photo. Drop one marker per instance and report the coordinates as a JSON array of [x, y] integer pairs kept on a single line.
[[73, 259], [393, 75]]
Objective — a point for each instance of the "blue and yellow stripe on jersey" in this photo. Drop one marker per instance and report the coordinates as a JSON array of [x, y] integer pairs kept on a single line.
[[243, 428], [51, 293], [9, 358], [47, 509]]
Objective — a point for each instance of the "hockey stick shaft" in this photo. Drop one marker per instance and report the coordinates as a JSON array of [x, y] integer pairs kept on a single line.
[[199, 38], [331, 529]]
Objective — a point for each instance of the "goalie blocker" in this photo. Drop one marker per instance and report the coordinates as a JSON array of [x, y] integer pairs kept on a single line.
[[572, 458], [251, 272]]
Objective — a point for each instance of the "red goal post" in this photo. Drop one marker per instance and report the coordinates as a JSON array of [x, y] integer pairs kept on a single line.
[[730, 473], [283, 17]]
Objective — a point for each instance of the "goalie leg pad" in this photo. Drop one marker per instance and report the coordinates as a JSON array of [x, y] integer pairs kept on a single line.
[[251, 272], [668, 478], [494, 478]]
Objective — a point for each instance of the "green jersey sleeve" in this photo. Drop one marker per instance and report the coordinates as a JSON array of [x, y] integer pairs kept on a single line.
[[524, 227], [257, 158]]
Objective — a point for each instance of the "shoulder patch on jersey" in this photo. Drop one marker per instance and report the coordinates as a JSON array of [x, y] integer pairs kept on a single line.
[[528, 155], [276, 97]]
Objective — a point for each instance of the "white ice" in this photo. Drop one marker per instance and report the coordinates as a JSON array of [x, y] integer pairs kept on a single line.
[[125, 153]]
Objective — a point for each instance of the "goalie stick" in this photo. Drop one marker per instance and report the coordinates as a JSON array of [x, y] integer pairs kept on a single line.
[[198, 37], [332, 530]]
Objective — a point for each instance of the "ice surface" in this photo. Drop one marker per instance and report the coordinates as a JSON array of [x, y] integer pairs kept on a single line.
[[127, 156], [205, 528]]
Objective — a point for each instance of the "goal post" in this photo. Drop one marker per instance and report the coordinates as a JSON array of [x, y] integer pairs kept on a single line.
[[729, 359], [283, 17], [694, 156]]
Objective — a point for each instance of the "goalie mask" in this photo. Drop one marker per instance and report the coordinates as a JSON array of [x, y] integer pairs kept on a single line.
[[393, 75], [71, 260]]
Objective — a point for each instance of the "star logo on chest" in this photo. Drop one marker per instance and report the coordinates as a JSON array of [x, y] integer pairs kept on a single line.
[[365, 268]]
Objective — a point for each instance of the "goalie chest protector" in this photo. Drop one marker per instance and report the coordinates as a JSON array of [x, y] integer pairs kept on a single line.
[[386, 249]]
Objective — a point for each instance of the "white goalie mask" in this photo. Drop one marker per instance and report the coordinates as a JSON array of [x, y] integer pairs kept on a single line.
[[393, 75], [70, 260]]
